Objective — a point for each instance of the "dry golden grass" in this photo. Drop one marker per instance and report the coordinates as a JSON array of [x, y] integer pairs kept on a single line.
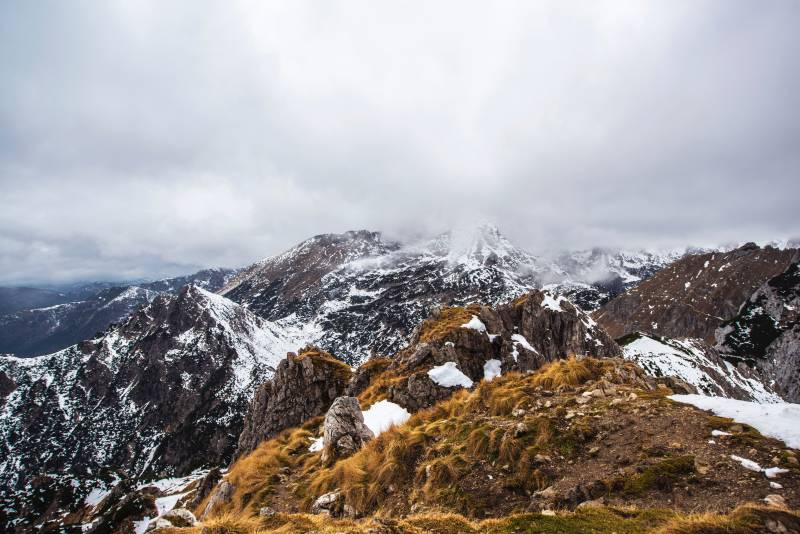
[[424, 459], [254, 476], [378, 388], [431, 452], [744, 519], [231, 523], [446, 321], [341, 369], [570, 372], [522, 299]]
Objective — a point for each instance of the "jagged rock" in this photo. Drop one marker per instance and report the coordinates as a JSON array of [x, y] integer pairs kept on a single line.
[[555, 328], [677, 385], [304, 386], [266, 511], [7, 386], [206, 486], [222, 494], [344, 430], [180, 517], [417, 392], [365, 373], [123, 507], [766, 333], [522, 335], [775, 500], [594, 503]]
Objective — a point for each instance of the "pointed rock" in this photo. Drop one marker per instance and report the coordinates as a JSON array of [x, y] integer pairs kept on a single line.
[[344, 430]]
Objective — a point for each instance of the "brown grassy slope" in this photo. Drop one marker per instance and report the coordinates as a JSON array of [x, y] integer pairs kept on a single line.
[[487, 452]]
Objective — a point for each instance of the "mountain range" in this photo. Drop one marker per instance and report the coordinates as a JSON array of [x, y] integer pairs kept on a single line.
[[178, 378]]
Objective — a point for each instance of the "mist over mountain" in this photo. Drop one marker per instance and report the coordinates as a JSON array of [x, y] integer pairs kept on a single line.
[[414, 267]]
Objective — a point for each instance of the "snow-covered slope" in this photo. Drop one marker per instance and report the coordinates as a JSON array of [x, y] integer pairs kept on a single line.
[[695, 362], [356, 293], [780, 420], [162, 393]]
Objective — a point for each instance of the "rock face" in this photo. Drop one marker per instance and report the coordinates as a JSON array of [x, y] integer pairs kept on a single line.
[[122, 508], [161, 394], [699, 364], [695, 295], [344, 430], [77, 315], [766, 332], [223, 493], [361, 294], [205, 487], [304, 386], [519, 336]]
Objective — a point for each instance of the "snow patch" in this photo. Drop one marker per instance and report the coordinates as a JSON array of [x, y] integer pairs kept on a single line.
[[553, 303], [687, 360], [448, 375], [747, 464], [780, 420], [519, 338], [316, 445], [475, 324], [491, 369], [383, 415]]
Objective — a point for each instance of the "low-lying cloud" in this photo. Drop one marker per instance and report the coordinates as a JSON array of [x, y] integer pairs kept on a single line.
[[142, 139]]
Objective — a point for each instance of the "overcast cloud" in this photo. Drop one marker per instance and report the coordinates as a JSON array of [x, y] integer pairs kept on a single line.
[[152, 138]]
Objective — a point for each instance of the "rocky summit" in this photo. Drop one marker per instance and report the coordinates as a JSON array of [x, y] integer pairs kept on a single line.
[[458, 384]]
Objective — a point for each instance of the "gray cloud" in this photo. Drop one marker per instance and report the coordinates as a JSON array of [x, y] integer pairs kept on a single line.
[[151, 138]]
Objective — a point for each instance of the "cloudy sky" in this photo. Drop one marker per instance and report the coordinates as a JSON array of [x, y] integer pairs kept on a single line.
[[150, 138]]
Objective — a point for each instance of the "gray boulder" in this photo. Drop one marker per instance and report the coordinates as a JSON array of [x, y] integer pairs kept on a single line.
[[344, 430], [223, 494]]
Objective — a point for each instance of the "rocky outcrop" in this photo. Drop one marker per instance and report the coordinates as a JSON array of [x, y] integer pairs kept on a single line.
[[695, 295], [122, 508], [332, 504], [6, 387], [344, 431], [519, 336], [304, 386], [222, 494], [766, 332], [205, 487], [175, 518]]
